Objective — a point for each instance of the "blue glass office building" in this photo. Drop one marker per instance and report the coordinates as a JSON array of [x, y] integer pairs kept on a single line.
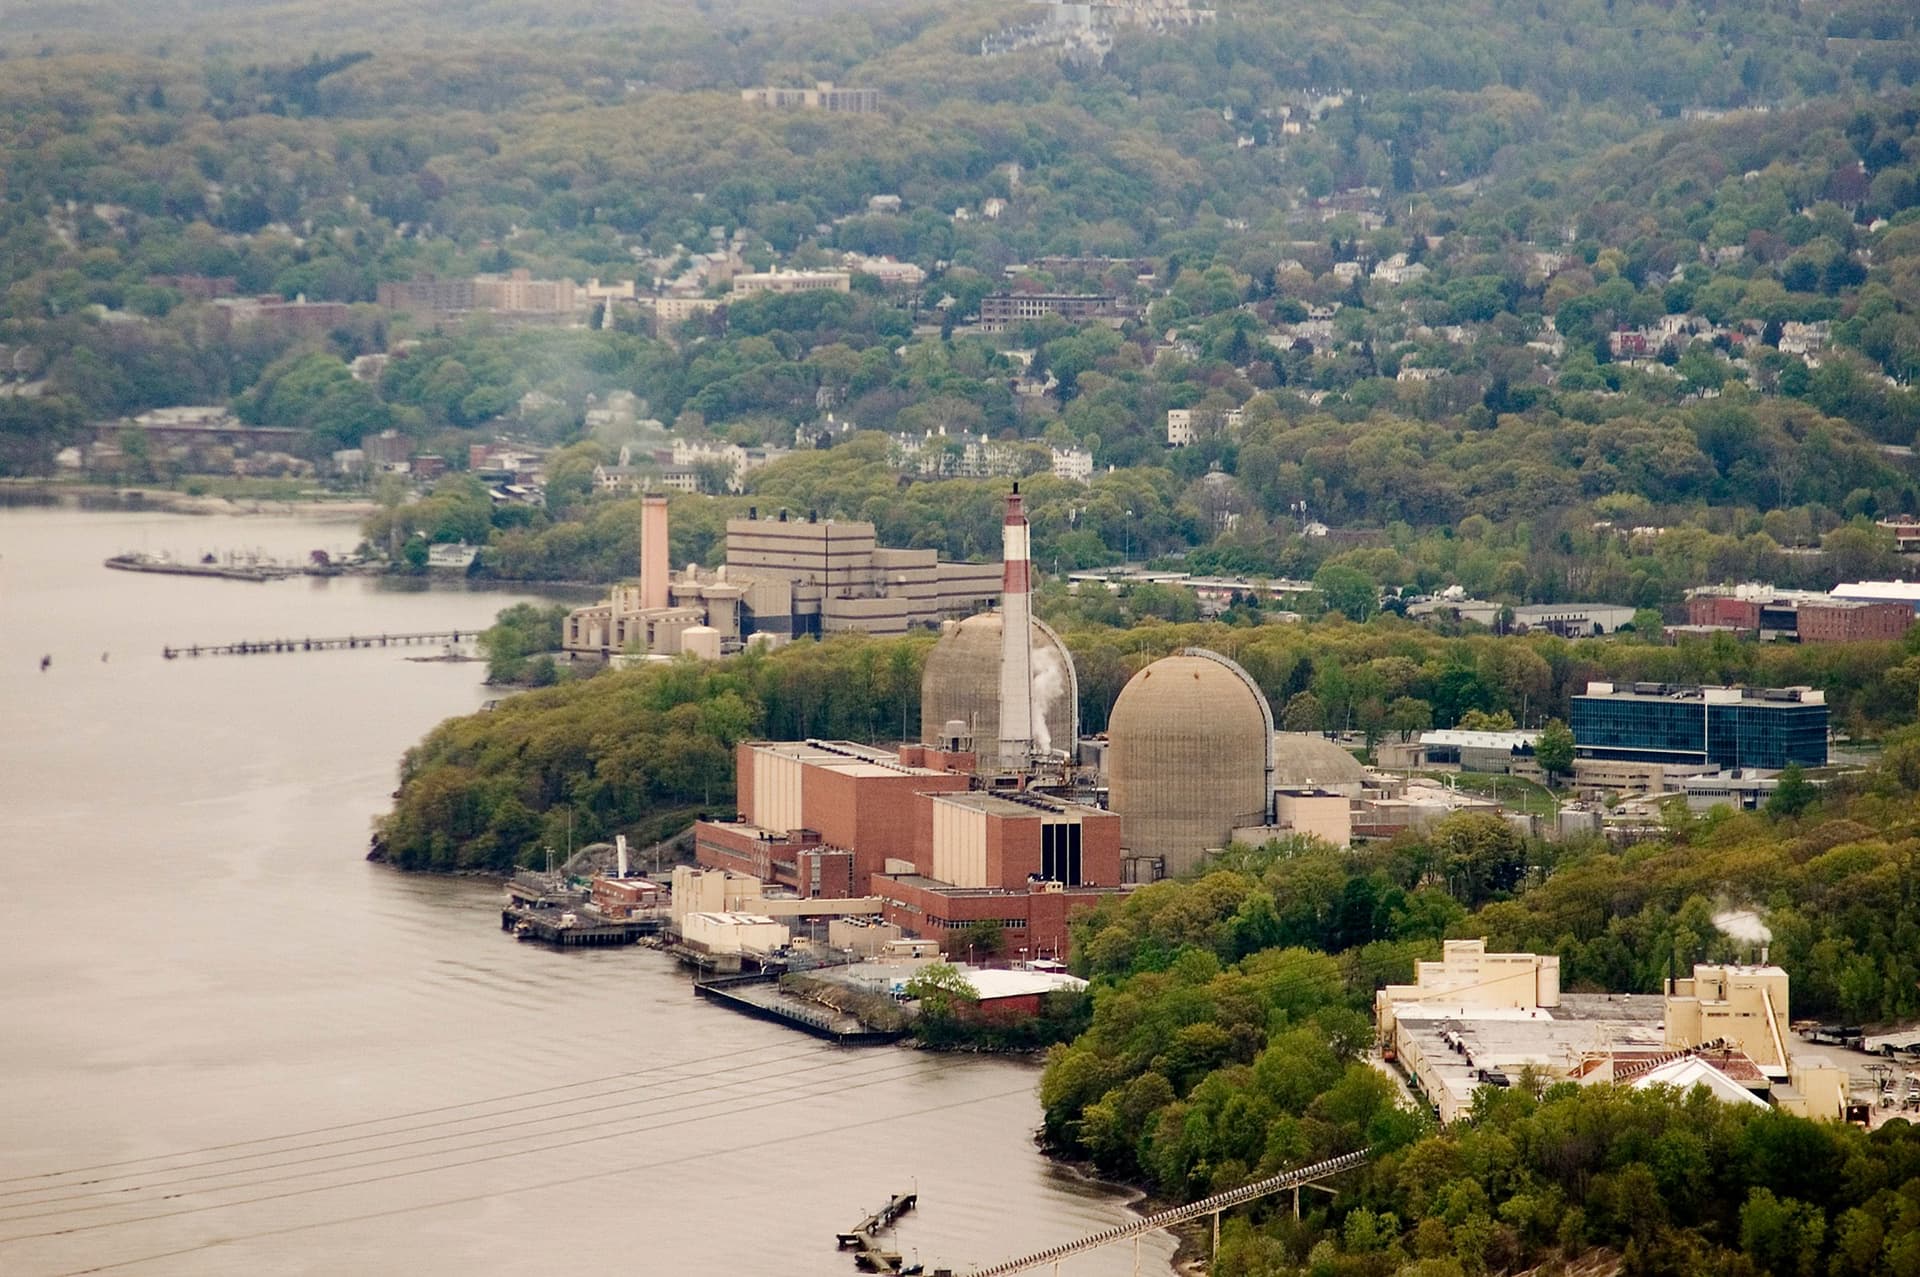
[[1724, 727]]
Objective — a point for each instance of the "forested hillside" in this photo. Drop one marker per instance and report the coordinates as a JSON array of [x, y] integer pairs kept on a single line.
[[1560, 175]]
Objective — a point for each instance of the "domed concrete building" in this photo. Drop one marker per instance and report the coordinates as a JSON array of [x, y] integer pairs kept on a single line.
[[1190, 757], [961, 682], [1308, 760]]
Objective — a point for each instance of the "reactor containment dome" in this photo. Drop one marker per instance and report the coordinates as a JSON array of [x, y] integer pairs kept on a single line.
[[961, 683], [1308, 760], [1190, 757]]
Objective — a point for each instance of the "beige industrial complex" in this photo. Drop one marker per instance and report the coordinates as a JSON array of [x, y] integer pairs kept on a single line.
[[1476, 1019], [784, 578]]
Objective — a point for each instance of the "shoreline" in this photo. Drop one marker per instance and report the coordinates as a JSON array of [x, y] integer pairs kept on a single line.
[[1188, 1258], [172, 501]]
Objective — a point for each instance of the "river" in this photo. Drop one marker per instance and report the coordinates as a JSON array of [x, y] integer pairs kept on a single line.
[[230, 1045]]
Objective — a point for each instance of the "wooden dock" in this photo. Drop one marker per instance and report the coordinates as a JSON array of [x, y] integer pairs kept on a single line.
[[257, 647]]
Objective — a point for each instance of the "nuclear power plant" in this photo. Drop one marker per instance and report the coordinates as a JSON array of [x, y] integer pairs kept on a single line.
[[1001, 813]]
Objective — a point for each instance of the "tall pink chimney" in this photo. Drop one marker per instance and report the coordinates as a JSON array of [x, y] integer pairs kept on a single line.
[[653, 551], [1016, 640]]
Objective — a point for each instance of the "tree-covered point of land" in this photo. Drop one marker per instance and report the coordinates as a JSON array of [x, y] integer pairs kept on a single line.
[[638, 751]]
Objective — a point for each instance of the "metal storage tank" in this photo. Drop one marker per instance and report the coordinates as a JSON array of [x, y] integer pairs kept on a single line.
[[1190, 757], [962, 681]]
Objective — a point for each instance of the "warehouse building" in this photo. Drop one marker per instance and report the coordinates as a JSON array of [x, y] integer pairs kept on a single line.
[[1906, 593], [1573, 620], [1502, 753]]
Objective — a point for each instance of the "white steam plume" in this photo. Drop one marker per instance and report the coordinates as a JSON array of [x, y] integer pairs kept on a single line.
[[1743, 924], [1049, 685]]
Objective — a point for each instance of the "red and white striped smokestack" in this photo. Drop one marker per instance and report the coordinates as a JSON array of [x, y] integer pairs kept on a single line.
[[1016, 640], [654, 570]]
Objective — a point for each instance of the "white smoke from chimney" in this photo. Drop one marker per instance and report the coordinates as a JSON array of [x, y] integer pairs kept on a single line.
[[1049, 685], [1743, 924]]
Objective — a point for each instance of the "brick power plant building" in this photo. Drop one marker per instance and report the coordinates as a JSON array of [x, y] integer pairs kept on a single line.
[[948, 832]]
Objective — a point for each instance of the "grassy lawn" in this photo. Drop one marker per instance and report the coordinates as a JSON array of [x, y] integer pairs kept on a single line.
[[1514, 793]]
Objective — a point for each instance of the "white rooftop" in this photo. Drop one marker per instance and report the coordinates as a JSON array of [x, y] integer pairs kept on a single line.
[[995, 982], [1460, 738], [1908, 591], [1691, 1071]]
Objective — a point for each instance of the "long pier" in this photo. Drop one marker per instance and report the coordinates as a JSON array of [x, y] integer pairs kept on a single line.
[[257, 647], [860, 1236]]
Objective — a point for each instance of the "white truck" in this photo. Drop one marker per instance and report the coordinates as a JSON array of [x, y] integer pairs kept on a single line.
[[1899, 1040]]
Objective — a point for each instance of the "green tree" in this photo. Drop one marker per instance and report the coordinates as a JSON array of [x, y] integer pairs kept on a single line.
[[1348, 591], [1792, 793], [1407, 715], [1304, 713], [521, 631], [941, 990], [1480, 855], [1554, 750], [983, 939]]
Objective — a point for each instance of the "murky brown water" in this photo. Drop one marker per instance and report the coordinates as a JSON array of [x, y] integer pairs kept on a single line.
[[228, 1045]]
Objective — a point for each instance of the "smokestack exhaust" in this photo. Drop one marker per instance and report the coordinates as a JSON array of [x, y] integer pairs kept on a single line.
[[1016, 639]]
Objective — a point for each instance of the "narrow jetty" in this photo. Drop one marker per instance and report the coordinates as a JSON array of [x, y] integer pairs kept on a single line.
[[868, 1257], [228, 570], [897, 1205], [256, 647]]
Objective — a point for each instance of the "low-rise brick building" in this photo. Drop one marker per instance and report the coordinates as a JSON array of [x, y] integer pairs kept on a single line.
[[1802, 616]]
